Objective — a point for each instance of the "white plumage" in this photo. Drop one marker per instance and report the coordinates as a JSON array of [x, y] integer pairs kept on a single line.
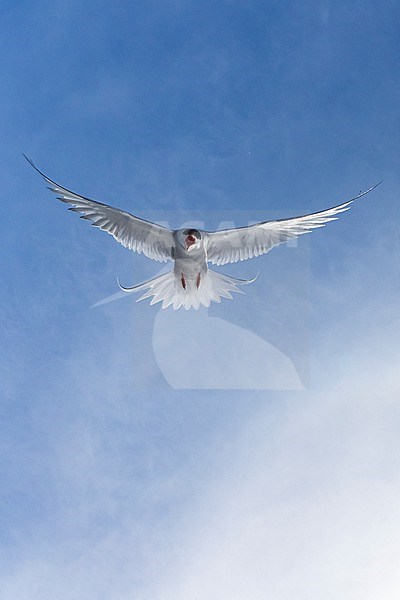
[[191, 283]]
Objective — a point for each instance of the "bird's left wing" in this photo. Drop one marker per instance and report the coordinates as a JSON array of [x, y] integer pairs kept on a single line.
[[232, 245], [141, 236]]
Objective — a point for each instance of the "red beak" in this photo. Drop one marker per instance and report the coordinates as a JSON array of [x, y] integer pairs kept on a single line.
[[189, 241]]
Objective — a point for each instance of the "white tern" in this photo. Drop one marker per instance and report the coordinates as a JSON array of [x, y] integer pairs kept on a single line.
[[191, 283]]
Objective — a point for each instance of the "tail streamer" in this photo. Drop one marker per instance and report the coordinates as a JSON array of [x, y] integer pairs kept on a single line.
[[167, 289]]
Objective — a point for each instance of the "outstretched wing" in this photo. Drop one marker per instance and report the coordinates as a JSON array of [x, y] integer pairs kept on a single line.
[[154, 241], [232, 245]]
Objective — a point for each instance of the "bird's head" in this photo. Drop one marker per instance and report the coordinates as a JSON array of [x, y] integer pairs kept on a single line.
[[190, 238]]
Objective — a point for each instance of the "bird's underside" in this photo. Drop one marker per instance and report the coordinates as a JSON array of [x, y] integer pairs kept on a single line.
[[191, 283]]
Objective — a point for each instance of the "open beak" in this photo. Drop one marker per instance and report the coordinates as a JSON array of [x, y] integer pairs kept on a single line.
[[190, 241]]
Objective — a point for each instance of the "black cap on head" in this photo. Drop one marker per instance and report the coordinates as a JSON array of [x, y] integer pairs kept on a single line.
[[194, 232]]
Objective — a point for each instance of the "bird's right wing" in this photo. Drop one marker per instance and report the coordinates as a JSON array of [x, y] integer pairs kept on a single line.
[[136, 234]]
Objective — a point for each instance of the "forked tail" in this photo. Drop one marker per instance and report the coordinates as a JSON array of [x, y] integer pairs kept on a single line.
[[168, 289]]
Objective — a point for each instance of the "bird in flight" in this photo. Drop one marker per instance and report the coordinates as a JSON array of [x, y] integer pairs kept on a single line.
[[191, 283]]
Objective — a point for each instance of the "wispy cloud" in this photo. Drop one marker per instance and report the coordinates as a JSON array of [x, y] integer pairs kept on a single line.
[[306, 506]]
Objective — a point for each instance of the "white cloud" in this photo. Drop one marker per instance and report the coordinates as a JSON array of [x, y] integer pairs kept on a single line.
[[301, 501], [308, 511]]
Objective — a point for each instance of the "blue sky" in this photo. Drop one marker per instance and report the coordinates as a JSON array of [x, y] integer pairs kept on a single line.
[[120, 479]]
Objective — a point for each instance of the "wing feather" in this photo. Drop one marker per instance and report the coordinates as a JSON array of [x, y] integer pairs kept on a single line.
[[136, 234], [232, 245]]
